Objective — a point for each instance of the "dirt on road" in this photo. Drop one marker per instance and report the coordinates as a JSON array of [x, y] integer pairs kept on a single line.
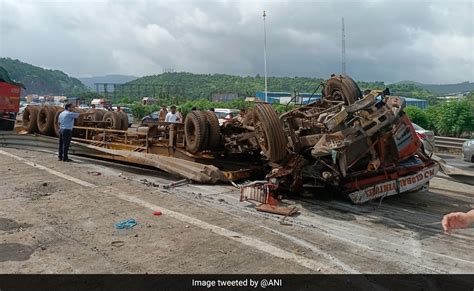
[[60, 218]]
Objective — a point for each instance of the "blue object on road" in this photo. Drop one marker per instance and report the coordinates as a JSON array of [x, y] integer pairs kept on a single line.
[[126, 224]]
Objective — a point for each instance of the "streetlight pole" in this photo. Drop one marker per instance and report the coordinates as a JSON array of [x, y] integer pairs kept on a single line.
[[265, 53]]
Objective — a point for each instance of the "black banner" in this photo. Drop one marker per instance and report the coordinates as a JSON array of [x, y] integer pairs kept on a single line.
[[236, 282]]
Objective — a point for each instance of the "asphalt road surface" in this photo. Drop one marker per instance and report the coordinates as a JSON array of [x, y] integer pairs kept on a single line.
[[60, 218], [457, 161]]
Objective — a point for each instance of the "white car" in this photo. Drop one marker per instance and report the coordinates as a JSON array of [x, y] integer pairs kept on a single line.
[[468, 150], [223, 114]]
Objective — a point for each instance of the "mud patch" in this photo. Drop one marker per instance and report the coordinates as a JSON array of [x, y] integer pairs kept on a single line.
[[7, 224], [15, 252], [35, 191]]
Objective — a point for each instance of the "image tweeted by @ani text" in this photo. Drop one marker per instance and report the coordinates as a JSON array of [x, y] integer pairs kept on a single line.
[[248, 282]]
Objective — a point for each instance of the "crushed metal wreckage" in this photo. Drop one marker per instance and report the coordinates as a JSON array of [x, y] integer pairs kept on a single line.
[[361, 145]]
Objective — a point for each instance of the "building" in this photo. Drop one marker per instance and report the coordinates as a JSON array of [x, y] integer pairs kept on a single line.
[[305, 98], [286, 97], [218, 97], [420, 103]]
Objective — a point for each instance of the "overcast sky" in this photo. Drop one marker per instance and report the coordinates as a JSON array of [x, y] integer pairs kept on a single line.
[[425, 41]]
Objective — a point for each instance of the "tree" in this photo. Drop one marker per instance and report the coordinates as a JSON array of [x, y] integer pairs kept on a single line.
[[418, 116], [453, 118]]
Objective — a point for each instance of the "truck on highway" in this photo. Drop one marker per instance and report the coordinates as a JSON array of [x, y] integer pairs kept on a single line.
[[10, 92]]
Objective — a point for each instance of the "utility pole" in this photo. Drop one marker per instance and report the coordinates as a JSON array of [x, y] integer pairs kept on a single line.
[[265, 53], [343, 48]]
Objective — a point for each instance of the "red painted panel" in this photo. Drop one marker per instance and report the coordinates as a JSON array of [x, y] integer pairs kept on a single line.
[[9, 97]]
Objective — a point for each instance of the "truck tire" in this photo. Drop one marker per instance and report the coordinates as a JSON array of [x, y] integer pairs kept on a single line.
[[94, 115], [99, 114], [56, 121], [79, 121], [213, 130], [45, 120], [270, 134], [30, 116], [124, 120], [114, 119], [342, 88], [8, 124], [195, 130]]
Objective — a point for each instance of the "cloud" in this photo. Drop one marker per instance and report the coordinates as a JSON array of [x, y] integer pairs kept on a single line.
[[424, 41]]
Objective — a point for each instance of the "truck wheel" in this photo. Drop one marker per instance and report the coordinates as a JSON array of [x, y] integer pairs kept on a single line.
[[213, 129], [45, 120], [30, 116], [8, 124], [195, 130], [114, 119], [270, 134], [99, 115], [56, 121], [342, 88], [124, 120]]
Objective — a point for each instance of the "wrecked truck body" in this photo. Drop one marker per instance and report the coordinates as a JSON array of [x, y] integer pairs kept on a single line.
[[361, 145]]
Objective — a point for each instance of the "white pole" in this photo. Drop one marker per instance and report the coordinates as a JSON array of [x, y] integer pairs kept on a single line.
[[265, 53], [343, 48]]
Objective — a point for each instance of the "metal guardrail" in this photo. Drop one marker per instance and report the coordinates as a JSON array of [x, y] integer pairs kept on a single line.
[[449, 142]]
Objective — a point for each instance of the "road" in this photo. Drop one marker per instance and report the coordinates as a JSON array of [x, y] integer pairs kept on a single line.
[[59, 218], [457, 161]]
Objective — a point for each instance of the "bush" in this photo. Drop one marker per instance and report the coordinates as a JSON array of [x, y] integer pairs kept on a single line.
[[418, 116], [452, 118]]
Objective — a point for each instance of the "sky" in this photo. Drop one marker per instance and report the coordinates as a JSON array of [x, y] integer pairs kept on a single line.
[[424, 41]]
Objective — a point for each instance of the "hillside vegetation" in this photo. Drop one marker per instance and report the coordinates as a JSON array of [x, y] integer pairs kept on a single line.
[[195, 86], [42, 81]]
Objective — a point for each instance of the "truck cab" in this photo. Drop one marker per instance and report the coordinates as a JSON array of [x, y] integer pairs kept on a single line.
[[10, 93]]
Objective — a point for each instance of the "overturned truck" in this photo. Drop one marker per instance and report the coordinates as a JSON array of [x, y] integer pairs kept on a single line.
[[361, 145]]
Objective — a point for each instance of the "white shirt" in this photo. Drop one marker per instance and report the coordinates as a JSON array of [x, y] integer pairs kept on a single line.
[[170, 117]]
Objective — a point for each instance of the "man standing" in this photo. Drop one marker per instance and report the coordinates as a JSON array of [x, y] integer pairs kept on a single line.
[[172, 116], [163, 113], [66, 123], [179, 113]]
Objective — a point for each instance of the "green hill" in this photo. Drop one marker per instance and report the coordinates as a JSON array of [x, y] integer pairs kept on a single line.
[[440, 89], [42, 81], [205, 85]]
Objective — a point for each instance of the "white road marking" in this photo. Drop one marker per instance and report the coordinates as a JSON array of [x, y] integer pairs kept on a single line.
[[51, 171], [235, 236], [316, 250]]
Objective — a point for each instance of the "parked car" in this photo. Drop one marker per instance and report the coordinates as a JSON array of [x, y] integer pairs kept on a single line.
[[427, 137], [153, 117], [83, 106], [128, 112], [222, 113], [468, 150]]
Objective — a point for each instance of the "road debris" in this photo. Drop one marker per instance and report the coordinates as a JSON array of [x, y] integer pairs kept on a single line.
[[126, 224], [117, 243], [286, 211], [94, 173], [176, 184]]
